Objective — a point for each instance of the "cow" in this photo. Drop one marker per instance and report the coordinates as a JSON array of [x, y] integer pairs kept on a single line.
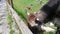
[[49, 12]]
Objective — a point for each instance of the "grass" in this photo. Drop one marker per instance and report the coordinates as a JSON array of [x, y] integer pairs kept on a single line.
[[10, 24], [9, 20], [11, 31]]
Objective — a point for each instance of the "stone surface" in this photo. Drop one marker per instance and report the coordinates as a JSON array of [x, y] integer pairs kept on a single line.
[[3, 18]]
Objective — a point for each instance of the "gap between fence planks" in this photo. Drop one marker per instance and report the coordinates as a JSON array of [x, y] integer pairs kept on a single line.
[[22, 26]]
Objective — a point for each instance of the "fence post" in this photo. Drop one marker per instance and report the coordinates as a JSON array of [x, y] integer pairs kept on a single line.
[[10, 3]]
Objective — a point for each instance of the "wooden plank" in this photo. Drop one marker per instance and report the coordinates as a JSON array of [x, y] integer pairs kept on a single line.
[[22, 26], [10, 2]]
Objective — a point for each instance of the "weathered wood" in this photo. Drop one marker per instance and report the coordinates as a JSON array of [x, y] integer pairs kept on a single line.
[[22, 26], [10, 2]]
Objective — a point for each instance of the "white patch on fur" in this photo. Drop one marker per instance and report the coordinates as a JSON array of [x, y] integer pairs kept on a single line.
[[38, 19], [51, 24], [47, 29]]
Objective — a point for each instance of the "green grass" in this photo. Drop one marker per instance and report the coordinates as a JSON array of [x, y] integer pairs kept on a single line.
[[9, 18], [11, 31], [10, 24]]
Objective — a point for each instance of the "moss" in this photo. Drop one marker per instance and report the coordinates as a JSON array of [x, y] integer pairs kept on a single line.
[[10, 21], [11, 31]]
